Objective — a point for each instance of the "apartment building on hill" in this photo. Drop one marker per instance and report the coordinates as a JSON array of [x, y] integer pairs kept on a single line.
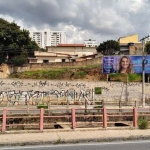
[[48, 38]]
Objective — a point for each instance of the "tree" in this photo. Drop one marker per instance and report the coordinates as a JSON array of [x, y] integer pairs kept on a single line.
[[13, 42], [147, 47], [109, 47]]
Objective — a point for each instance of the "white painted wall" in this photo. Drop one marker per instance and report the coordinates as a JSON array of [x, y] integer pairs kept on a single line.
[[32, 90]]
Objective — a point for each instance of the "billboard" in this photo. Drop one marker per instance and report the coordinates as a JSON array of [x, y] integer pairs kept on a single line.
[[125, 64]]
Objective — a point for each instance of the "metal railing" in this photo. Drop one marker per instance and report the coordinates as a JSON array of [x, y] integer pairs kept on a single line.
[[72, 118]]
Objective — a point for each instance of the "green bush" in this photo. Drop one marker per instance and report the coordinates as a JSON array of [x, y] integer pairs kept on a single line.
[[134, 77], [42, 106], [125, 77], [98, 106], [99, 103], [143, 123], [98, 90]]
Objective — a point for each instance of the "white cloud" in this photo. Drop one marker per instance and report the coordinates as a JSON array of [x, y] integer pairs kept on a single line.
[[82, 19]]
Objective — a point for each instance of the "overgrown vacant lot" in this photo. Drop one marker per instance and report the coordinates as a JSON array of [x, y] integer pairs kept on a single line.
[[90, 73]]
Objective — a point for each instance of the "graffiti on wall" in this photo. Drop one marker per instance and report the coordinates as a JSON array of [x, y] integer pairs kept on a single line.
[[14, 97], [18, 84], [35, 91]]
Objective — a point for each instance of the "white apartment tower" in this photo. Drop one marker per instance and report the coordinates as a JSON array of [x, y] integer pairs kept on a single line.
[[48, 38]]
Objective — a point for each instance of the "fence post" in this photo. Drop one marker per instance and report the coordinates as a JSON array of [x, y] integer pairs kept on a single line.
[[135, 104], [4, 120], [104, 117], [73, 118], [41, 119], [135, 117]]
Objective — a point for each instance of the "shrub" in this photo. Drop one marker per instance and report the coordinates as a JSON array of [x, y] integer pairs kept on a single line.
[[42, 106], [134, 77], [125, 77], [100, 106], [143, 123], [98, 90], [99, 103]]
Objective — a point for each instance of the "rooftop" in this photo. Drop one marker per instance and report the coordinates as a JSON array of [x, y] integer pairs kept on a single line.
[[71, 45]]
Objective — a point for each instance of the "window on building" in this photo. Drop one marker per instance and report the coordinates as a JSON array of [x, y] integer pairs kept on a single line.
[[63, 60], [45, 61]]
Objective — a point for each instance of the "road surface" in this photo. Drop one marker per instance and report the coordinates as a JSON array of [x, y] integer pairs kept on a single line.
[[130, 145]]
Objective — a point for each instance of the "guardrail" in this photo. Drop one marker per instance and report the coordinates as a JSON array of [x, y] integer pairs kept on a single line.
[[72, 118]]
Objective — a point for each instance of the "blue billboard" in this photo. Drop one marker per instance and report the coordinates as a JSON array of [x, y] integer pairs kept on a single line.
[[125, 64]]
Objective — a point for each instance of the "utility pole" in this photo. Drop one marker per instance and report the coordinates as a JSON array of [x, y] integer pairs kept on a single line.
[[143, 76], [143, 70]]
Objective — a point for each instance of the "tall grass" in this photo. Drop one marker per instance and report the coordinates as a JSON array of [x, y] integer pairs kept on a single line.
[[125, 77], [143, 123], [134, 77], [80, 74]]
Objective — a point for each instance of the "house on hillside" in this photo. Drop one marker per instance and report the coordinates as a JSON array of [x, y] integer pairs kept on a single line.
[[129, 45], [64, 53], [90, 43], [128, 39]]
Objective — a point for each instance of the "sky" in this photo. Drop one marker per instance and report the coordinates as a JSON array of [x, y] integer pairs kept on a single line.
[[99, 20]]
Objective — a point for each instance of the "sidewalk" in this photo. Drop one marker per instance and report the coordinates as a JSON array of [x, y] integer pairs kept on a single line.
[[58, 136]]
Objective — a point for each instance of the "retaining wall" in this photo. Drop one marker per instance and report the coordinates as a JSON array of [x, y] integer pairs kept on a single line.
[[24, 91]]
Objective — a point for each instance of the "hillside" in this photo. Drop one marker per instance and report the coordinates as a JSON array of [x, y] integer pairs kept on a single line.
[[90, 70], [92, 73]]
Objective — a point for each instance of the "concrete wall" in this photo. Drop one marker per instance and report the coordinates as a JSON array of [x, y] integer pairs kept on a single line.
[[139, 49], [15, 91], [5, 70]]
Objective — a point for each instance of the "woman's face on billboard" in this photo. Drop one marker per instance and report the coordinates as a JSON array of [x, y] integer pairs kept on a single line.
[[124, 63]]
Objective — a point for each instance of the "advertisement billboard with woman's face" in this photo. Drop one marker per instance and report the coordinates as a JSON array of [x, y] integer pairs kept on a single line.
[[125, 64]]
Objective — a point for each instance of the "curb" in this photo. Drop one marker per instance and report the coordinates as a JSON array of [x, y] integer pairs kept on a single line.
[[76, 141], [66, 130]]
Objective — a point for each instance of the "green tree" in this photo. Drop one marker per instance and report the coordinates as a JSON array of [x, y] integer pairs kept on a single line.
[[109, 47], [13, 42], [147, 47]]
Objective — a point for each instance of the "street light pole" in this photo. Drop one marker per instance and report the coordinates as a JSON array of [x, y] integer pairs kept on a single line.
[[143, 70], [143, 75]]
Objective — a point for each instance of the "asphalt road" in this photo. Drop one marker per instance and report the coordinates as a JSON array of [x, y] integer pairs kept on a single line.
[[130, 145]]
